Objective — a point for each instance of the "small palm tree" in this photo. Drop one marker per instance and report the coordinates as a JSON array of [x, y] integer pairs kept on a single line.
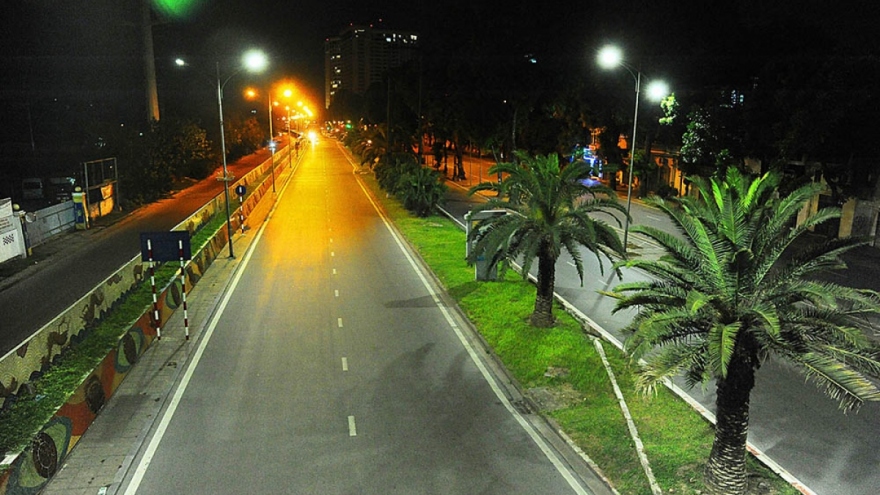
[[421, 191], [372, 145], [735, 291], [550, 211]]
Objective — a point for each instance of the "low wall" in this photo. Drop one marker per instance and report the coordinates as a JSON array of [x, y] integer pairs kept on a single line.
[[30, 358], [32, 468]]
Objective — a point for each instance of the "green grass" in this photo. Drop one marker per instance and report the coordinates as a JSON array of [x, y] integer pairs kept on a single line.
[[676, 438], [29, 413]]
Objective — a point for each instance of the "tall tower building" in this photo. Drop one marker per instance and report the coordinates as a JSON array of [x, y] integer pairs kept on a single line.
[[361, 55]]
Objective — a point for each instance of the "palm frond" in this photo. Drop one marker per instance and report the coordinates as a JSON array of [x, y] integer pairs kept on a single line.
[[722, 340], [838, 381]]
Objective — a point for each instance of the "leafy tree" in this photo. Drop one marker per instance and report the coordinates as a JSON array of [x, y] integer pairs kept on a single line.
[[181, 149], [612, 156], [735, 292], [712, 141], [149, 162], [243, 136], [828, 110], [550, 211]]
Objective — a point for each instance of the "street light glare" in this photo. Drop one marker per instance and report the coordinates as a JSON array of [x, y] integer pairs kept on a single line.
[[180, 62], [610, 57], [255, 61], [657, 90]]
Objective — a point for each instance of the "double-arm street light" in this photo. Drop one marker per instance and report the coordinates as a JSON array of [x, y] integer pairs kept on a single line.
[[253, 61], [611, 57]]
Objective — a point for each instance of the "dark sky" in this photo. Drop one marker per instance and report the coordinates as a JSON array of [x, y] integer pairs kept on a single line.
[[85, 55]]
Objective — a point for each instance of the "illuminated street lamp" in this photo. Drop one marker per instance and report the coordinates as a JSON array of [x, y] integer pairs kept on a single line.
[[253, 61], [611, 57]]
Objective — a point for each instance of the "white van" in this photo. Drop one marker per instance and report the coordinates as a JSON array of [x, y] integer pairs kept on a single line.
[[32, 188]]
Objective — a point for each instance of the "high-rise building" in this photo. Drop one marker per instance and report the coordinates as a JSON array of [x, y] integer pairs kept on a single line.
[[361, 55]]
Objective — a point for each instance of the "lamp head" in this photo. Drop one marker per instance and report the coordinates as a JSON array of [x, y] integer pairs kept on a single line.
[[255, 61], [657, 90], [610, 57]]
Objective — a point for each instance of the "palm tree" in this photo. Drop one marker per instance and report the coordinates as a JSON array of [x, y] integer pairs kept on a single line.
[[550, 211], [735, 292], [371, 145]]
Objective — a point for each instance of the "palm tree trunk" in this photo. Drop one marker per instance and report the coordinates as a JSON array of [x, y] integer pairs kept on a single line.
[[543, 314], [726, 468]]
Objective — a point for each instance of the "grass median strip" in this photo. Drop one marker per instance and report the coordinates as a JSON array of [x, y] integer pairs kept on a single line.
[[563, 373]]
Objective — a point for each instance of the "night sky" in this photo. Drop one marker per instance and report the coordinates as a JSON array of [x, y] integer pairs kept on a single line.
[[72, 60]]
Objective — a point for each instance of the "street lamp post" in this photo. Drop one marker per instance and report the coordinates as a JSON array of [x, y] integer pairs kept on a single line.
[[254, 61], [610, 57], [225, 177], [289, 140], [271, 135]]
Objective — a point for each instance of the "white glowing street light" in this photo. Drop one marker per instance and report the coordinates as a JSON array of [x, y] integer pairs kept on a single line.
[[252, 61], [611, 57]]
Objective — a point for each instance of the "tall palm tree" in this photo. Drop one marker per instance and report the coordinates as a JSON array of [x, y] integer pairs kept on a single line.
[[550, 211], [735, 292], [372, 145]]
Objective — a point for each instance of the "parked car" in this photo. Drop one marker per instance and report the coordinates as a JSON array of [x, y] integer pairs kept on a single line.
[[61, 188], [32, 188]]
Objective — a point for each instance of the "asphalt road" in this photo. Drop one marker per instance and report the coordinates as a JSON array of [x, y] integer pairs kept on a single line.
[[85, 258], [336, 366], [792, 422]]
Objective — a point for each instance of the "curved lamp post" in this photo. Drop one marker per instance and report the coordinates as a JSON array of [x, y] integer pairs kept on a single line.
[[253, 61], [611, 57]]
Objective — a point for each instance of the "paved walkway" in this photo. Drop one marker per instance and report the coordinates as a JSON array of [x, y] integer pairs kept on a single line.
[[104, 454]]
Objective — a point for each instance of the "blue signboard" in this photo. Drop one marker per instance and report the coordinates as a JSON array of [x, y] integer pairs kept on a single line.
[[165, 246]]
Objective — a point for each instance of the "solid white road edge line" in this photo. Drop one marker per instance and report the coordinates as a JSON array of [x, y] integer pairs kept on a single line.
[[147, 458], [548, 452]]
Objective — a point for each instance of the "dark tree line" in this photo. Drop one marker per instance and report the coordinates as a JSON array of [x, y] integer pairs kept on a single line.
[[767, 87]]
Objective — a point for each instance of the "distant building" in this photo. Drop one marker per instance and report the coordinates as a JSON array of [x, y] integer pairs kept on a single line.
[[361, 55]]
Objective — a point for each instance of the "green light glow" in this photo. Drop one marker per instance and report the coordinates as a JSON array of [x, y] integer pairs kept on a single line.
[[178, 9]]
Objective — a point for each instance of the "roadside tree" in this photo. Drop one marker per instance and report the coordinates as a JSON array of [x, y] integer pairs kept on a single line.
[[734, 292], [550, 211]]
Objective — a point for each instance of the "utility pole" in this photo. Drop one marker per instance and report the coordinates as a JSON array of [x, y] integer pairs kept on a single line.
[[149, 63]]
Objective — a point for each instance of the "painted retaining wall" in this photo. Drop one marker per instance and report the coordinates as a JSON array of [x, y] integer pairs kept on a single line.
[[32, 468]]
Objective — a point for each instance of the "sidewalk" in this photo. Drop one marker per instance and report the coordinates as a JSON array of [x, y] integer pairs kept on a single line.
[[105, 453]]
